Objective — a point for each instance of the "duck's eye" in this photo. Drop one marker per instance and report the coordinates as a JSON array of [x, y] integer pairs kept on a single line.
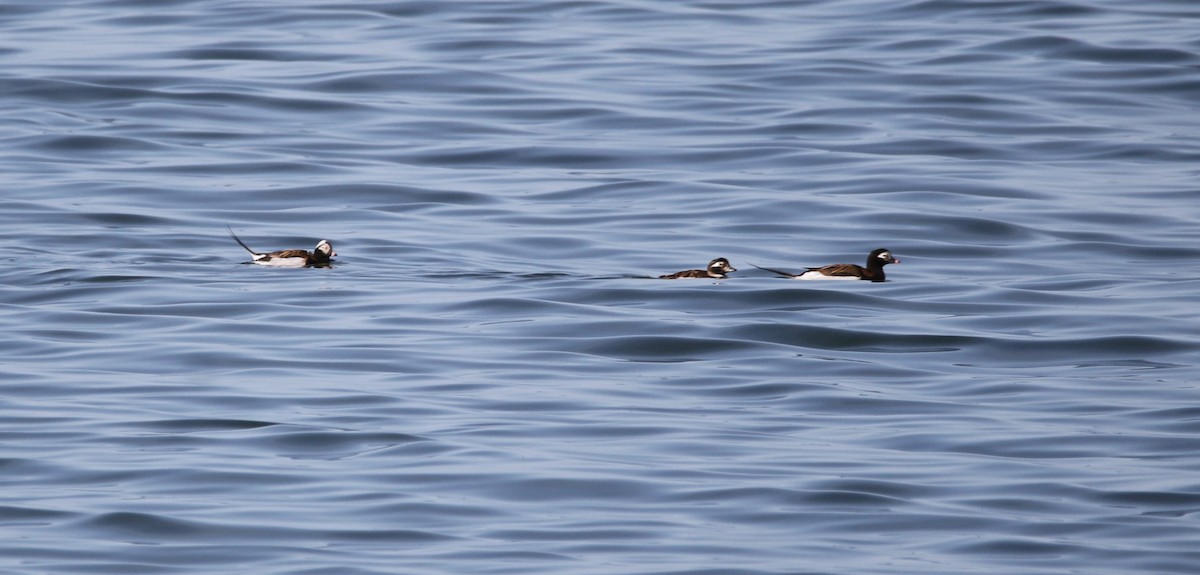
[[885, 256]]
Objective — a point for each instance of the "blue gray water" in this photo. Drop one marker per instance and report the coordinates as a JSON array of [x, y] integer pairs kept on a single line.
[[488, 382]]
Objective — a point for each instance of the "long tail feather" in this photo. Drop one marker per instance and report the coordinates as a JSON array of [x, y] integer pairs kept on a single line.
[[240, 242], [782, 273]]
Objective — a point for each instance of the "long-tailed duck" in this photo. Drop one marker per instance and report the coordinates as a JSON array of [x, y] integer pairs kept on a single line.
[[291, 258], [873, 272], [716, 269]]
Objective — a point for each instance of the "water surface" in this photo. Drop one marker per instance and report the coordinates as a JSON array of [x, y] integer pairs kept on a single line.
[[487, 381]]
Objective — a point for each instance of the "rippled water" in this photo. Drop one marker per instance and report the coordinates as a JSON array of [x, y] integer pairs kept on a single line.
[[488, 382]]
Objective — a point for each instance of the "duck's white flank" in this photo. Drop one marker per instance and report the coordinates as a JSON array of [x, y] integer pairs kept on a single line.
[[818, 276]]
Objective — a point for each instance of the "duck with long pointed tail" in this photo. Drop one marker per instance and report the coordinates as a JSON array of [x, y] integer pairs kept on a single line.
[[872, 272], [319, 257]]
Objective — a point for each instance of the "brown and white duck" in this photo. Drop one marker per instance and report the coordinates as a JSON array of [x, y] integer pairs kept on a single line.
[[320, 256], [872, 272], [716, 270]]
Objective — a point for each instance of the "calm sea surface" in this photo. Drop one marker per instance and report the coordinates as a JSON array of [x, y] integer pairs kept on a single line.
[[488, 381]]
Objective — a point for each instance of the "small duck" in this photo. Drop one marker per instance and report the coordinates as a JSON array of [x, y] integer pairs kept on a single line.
[[716, 270], [319, 257], [873, 272]]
